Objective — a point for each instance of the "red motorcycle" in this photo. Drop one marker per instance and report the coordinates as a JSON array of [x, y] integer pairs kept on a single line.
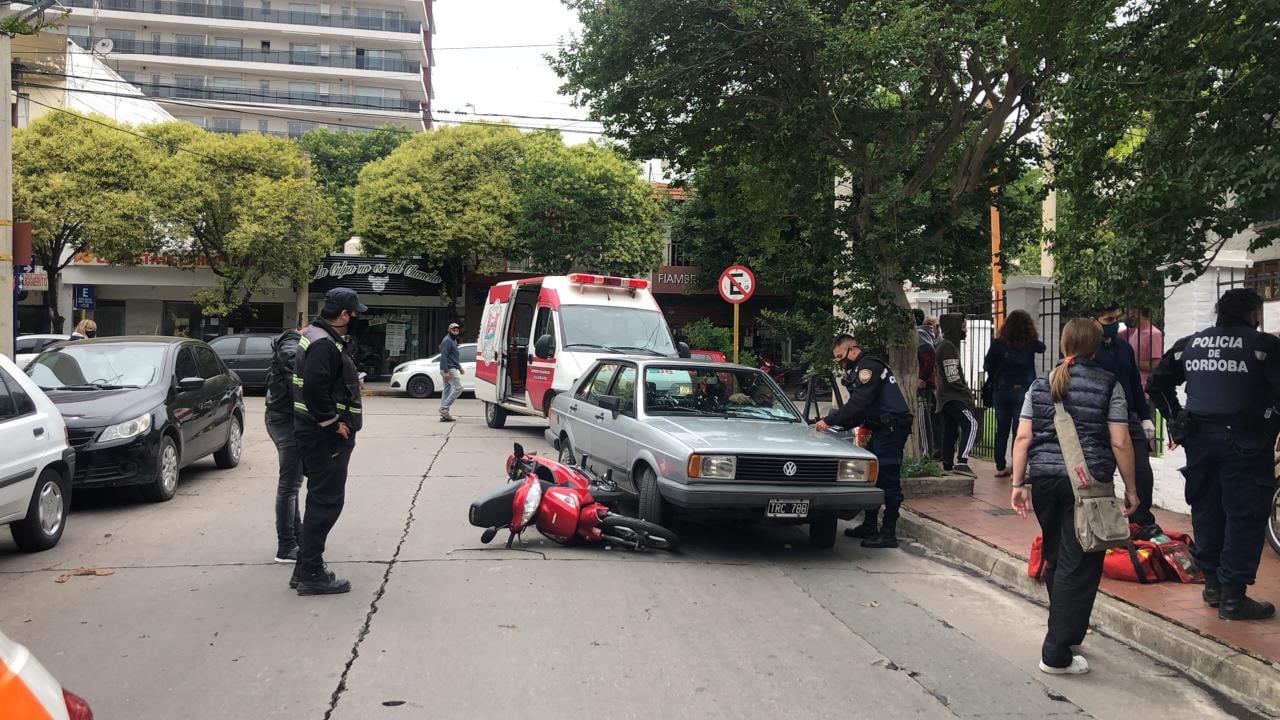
[[564, 503]]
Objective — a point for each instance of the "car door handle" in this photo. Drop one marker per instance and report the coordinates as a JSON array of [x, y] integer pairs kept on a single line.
[[573, 408], [38, 432], [600, 416]]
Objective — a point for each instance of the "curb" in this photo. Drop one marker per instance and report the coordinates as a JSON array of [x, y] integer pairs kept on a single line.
[[923, 487], [1245, 678]]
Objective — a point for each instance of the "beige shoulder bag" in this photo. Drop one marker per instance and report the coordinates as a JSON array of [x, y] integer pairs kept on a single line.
[[1100, 524]]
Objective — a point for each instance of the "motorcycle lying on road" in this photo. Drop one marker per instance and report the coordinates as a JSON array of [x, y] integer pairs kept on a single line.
[[565, 503]]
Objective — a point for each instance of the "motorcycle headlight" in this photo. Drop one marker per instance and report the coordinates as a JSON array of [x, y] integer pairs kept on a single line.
[[128, 429], [858, 471], [531, 500], [713, 467]]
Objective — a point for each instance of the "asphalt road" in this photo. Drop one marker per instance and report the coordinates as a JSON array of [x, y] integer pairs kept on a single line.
[[196, 621]]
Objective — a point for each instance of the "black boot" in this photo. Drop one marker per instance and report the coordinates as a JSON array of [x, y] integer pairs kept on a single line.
[[293, 579], [888, 537], [1235, 605], [321, 583], [869, 528], [1212, 591]]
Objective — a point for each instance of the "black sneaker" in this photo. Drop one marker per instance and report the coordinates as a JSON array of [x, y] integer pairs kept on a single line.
[[881, 541], [286, 557], [446, 417], [322, 583], [962, 468]]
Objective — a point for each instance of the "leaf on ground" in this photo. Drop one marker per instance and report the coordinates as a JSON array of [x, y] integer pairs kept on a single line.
[[872, 604], [96, 572]]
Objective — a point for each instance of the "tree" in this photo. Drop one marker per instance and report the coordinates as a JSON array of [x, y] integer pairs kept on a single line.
[[84, 185], [247, 206], [917, 107], [447, 195], [1164, 137], [338, 157], [585, 206]]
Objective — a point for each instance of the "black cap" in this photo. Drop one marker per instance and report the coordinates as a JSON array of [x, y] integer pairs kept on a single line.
[[340, 298]]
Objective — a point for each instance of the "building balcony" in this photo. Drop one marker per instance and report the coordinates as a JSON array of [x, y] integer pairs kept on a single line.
[[280, 97], [234, 11], [283, 57]]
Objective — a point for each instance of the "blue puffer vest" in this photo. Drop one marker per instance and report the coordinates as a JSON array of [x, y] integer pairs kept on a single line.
[[1087, 401]]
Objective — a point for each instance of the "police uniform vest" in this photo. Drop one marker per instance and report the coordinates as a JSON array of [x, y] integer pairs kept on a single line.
[[346, 384], [1225, 375], [889, 407], [1088, 402]]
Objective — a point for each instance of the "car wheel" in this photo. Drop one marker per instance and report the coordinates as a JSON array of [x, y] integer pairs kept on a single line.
[[420, 387], [495, 416], [822, 531], [166, 482], [566, 451], [229, 456], [46, 516], [652, 507], [1273, 523]]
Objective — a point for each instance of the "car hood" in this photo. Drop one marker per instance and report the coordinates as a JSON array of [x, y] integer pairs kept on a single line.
[[741, 436], [99, 408]]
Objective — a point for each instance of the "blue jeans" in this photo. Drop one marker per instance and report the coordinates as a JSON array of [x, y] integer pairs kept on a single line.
[[1008, 405], [452, 389]]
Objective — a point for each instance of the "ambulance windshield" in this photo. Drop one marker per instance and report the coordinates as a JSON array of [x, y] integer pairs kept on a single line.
[[624, 330]]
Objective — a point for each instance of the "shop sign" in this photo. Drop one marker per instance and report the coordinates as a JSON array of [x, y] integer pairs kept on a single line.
[[677, 279], [380, 276], [34, 281], [148, 259]]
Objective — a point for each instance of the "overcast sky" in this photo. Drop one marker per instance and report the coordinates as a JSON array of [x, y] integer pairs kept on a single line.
[[508, 81]]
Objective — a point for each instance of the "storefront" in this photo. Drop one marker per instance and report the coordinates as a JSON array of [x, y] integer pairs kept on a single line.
[[683, 300]]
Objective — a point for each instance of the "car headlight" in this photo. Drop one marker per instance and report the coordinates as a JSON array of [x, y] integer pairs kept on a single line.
[[858, 471], [400, 368], [128, 429], [713, 467], [531, 500]]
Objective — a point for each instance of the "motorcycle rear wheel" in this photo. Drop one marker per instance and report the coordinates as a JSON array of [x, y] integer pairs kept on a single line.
[[637, 534], [1273, 523]]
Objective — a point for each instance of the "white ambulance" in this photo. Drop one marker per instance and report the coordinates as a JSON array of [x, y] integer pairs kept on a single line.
[[539, 334]]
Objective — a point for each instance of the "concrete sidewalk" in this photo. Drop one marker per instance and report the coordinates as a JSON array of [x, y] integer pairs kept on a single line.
[[1167, 619]]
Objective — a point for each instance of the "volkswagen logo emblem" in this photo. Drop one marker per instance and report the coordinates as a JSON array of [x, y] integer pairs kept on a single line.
[[789, 469]]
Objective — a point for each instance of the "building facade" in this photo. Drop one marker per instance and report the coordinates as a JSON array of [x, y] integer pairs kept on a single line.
[[269, 66]]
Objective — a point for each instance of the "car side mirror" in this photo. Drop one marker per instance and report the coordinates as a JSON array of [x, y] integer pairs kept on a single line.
[[544, 348], [612, 403], [683, 349], [190, 383]]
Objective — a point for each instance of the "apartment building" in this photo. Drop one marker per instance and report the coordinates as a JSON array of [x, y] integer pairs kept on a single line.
[[269, 66]]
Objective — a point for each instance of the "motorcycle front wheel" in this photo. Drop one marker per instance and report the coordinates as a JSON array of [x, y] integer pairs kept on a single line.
[[1273, 523], [637, 534]]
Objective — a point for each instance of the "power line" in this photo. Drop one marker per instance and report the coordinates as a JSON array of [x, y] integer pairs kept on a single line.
[[433, 49]]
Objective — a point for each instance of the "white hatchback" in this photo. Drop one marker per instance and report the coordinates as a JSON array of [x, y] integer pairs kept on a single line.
[[37, 464], [29, 346], [422, 379]]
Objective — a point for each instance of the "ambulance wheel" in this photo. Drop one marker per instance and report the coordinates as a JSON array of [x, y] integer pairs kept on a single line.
[[495, 416]]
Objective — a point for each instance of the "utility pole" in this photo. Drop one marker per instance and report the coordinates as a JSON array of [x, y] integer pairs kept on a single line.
[[8, 296]]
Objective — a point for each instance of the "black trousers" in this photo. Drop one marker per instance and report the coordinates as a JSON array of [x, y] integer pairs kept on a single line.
[[929, 425], [960, 434], [288, 516], [1070, 574], [1229, 487], [1143, 476], [889, 448], [325, 456], [1008, 406]]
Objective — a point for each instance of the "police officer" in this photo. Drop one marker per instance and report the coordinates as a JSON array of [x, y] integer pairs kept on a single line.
[[1228, 427], [326, 408], [876, 403]]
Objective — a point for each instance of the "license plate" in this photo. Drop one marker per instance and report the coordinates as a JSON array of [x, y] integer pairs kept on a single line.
[[787, 509]]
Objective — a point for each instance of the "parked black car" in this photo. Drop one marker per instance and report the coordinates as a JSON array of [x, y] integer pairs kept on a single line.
[[248, 355], [139, 409]]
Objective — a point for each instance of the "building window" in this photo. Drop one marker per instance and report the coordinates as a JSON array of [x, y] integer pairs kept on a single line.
[[229, 43], [197, 121], [303, 88], [227, 83], [226, 125], [296, 129], [79, 34], [677, 253], [304, 54], [264, 84], [23, 108], [128, 76], [122, 40], [1264, 278], [264, 126]]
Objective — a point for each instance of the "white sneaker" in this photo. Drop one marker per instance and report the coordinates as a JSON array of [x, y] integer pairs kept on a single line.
[[1078, 666]]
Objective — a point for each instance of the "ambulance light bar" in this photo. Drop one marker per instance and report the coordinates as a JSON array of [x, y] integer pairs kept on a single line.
[[606, 281]]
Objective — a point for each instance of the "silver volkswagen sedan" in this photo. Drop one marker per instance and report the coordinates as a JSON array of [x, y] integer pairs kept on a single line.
[[711, 438]]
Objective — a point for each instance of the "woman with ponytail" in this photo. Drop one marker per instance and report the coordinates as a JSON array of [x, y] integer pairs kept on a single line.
[[1097, 406]]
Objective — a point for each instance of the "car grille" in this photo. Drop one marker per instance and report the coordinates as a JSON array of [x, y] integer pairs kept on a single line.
[[769, 468], [81, 436], [107, 472]]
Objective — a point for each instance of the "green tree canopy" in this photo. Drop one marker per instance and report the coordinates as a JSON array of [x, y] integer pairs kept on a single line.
[[338, 157], [447, 195], [246, 204], [585, 207], [1164, 137], [84, 184]]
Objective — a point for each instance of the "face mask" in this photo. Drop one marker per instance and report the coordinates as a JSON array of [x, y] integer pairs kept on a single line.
[[1110, 329], [91, 333]]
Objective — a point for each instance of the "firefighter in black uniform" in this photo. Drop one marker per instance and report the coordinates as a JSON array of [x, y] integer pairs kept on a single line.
[[876, 403], [327, 416], [1229, 426]]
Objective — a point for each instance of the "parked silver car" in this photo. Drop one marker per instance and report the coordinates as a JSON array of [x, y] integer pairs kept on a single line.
[[711, 438]]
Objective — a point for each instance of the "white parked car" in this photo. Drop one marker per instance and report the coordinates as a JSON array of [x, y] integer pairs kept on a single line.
[[28, 347], [37, 464], [422, 378]]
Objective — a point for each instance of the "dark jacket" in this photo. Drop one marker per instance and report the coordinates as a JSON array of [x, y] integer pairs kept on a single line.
[[1116, 357], [1011, 368], [326, 390], [952, 385], [280, 375], [1088, 402], [450, 359]]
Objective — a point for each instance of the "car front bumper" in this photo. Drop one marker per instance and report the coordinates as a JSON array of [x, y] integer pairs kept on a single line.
[[844, 500], [130, 464], [400, 380]]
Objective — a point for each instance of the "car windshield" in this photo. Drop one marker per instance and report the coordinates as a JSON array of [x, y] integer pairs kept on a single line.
[[721, 392], [624, 330], [80, 366]]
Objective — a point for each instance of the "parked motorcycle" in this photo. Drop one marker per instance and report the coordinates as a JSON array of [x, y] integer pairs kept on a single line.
[[566, 504]]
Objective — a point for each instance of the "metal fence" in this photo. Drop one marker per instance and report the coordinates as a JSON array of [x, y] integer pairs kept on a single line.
[[983, 321], [1266, 284]]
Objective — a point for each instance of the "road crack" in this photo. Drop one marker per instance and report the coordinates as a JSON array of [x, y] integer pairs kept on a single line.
[[382, 587]]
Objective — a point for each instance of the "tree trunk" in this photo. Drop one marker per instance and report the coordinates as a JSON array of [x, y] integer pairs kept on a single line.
[[906, 365], [55, 320]]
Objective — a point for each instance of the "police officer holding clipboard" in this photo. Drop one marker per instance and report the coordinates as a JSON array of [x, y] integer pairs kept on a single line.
[[876, 403], [1228, 427]]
